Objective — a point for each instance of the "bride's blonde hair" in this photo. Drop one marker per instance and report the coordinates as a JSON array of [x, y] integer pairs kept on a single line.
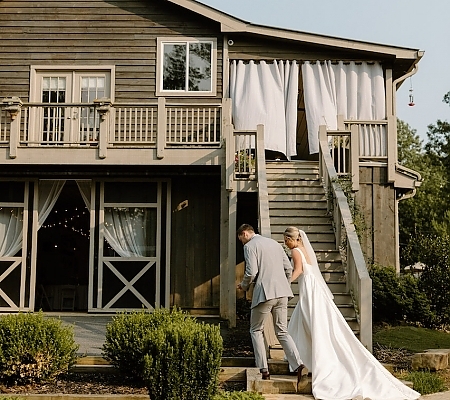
[[294, 233]]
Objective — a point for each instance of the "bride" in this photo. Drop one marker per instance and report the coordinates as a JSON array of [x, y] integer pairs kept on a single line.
[[341, 367]]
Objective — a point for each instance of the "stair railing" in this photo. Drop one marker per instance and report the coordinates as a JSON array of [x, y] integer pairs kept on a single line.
[[358, 280]]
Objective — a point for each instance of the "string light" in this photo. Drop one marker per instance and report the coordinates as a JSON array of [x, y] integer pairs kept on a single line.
[[63, 221]]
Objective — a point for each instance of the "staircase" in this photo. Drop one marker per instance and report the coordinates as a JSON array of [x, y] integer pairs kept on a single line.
[[297, 198]]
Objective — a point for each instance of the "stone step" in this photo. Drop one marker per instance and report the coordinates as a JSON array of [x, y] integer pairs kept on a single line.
[[277, 384]]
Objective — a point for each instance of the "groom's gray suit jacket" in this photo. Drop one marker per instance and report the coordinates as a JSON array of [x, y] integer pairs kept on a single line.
[[266, 261]]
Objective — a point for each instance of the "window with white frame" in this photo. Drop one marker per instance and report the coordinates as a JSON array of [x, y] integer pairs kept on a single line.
[[186, 67]]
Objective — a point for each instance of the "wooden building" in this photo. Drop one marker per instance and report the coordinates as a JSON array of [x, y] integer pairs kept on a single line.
[[135, 136]]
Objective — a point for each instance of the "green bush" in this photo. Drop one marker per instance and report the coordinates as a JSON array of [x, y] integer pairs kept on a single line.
[[183, 360], [434, 281], [34, 348], [126, 340], [398, 298], [238, 396]]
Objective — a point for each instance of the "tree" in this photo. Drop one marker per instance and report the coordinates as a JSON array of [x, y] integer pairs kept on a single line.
[[427, 212]]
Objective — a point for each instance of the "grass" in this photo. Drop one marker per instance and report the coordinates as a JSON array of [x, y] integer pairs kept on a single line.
[[425, 382], [411, 338]]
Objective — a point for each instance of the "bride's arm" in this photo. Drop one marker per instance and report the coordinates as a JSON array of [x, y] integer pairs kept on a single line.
[[298, 264]]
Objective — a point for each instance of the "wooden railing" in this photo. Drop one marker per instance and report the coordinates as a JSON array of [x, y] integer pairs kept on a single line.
[[103, 124], [358, 280]]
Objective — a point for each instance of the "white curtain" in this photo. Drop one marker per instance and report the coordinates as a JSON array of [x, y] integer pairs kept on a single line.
[[266, 93], [125, 230], [49, 192], [11, 227], [125, 227], [85, 190], [354, 90], [11, 219]]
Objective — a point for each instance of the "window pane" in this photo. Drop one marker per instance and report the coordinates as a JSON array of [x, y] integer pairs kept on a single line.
[[174, 67], [200, 67]]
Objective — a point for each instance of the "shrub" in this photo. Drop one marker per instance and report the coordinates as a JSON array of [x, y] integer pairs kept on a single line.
[[126, 340], [183, 360], [34, 348], [238, 396], [434, 281], [398, 298]]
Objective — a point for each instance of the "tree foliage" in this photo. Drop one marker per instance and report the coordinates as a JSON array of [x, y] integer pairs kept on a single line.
[[428, 211]]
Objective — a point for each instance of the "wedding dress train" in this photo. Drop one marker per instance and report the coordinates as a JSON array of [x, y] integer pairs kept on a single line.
[[342, 368]]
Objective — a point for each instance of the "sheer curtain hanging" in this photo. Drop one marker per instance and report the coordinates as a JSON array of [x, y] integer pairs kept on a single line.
[[354, 90], [11, 228], [11, 219], [49, 192], [125, 230], [266, 93], [124, 227]]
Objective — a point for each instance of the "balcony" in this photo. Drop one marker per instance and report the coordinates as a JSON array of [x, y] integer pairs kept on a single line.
[[102, 127]]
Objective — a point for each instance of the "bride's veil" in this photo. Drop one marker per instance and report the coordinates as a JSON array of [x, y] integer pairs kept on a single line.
[[311, 255]]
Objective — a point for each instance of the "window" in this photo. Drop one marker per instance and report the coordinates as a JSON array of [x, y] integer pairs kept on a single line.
[[186, 67], [59, 86]]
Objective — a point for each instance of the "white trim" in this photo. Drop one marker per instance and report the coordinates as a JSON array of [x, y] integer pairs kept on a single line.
[[34, 69], [159, 65]]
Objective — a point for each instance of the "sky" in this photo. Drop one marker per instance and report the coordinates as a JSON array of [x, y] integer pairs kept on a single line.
[[414, 24]]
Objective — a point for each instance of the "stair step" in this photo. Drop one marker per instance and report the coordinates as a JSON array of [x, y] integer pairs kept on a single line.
[[278, 224], [298, 208], [294, 196], [312, 185], [297, 201], [286, 384]]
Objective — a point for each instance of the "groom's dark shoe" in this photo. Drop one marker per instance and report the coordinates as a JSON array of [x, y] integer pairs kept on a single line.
[[265, 375], [302, 377]]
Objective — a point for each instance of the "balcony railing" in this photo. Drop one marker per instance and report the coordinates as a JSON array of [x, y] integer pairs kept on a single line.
[[104, 124], [356, 142]]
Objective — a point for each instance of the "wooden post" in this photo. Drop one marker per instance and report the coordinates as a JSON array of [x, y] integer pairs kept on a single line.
[[354, 151], [162, 128], [103, 107], [13, 106]]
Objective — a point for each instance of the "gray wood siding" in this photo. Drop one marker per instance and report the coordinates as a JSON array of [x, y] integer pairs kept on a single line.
[[195, 253], [120, 33]]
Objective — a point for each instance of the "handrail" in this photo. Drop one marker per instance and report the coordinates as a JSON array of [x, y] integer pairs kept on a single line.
[[358, 279]]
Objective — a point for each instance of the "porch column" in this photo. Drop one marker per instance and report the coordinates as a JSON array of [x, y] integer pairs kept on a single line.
[[103, 107], [13, 106], [228, 221]]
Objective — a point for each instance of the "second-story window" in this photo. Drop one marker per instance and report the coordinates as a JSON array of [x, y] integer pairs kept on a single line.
[[186, 67]]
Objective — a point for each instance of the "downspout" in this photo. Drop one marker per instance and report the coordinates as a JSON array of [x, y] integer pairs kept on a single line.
[[395, 85]]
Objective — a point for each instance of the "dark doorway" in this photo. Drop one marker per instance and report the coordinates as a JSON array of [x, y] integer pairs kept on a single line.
[[63, 254]]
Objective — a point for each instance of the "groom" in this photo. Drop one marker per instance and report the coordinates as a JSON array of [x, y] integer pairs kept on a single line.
[[267, 265]]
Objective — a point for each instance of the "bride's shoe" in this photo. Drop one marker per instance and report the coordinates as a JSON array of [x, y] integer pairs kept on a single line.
[[302, 377]]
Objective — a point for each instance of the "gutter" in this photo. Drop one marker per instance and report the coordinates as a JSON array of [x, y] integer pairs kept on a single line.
[[398, 82]]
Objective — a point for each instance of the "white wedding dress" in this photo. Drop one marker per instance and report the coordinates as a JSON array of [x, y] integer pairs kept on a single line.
[[341, 367]]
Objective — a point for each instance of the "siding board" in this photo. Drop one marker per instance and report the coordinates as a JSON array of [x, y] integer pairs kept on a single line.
[[120, 33]]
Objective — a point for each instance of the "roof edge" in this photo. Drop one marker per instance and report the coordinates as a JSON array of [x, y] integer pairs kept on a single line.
[[230, 24]]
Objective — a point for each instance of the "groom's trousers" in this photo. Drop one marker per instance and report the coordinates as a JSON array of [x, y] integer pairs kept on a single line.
[[278, 309]]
